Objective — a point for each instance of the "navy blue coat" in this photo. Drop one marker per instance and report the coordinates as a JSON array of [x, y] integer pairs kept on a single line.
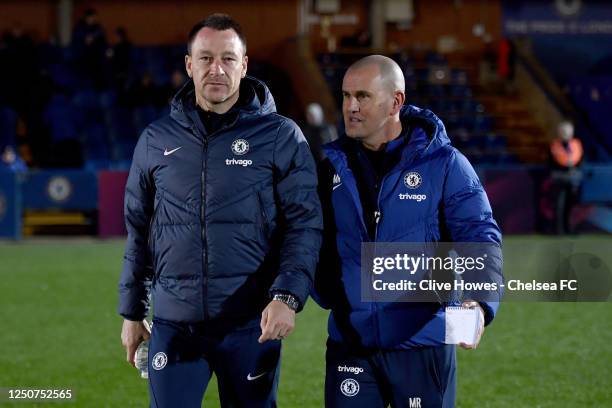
[[216, 221], [447, 204]]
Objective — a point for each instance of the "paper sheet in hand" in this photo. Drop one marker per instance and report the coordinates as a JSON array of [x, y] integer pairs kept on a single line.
[[461, 325]]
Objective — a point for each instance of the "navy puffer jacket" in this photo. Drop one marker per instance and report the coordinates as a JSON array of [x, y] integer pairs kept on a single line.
[[217, 221]]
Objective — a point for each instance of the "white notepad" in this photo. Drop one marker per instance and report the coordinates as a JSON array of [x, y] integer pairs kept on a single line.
[[461, 325]]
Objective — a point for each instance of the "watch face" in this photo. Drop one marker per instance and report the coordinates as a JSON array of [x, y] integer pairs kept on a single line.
[[289, 300], [293, 304]]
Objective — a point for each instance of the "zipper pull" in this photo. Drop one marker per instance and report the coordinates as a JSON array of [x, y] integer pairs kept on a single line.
[[377, 215]]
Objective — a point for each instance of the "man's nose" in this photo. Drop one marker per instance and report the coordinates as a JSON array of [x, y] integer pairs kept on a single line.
[[216, 68], [353, 104]]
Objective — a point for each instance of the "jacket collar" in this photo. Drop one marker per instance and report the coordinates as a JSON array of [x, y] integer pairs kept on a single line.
[[422, 134], [183, 107]]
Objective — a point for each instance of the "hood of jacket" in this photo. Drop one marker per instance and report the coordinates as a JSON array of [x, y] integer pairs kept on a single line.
[[426, 131], [259, 101]]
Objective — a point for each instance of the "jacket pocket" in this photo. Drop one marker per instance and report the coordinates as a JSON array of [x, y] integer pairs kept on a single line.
[[263, 216], [151, 239]]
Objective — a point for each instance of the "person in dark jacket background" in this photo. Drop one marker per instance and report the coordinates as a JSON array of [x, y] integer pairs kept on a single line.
[[566, 154], [393, 177], [224, 230]]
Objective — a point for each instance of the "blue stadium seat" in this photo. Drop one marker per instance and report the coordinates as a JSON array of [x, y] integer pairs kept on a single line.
[[86, 99], [108, 98], [118, 120], [459, 76], [593, 95], [62, 118], [123, 150], [435, 58], [494, 141], [460, 91], [62, 75], [421, 74], [437, 91], [482, 123], [122, 165], [97, 164], [471, 107], [95, 142], [144, 115]]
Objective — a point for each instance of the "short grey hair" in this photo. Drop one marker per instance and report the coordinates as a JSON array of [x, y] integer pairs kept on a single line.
[[390, 72]]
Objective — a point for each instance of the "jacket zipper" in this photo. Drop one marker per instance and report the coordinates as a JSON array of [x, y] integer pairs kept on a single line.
[[377, 217], [203, 221], [205, 277]]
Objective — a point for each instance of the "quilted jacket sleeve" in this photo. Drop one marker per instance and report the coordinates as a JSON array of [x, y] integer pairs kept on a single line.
[[469, 219], [137, 272], [296, 189]]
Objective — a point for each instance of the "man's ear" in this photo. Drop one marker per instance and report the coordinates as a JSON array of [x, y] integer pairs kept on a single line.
[[188, 66], [398, 101], [245, 62]]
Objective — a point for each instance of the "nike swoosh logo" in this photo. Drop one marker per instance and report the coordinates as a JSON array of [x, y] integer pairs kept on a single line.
[[336, 186], [250, 378], [169, 152]]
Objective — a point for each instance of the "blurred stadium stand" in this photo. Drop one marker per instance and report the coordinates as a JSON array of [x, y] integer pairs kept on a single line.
[[500, 92], [449, 91]]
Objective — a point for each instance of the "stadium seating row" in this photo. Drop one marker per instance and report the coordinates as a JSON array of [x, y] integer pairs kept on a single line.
[[446, 92]]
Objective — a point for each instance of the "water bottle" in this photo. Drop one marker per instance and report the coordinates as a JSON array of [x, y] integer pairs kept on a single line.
[[142, 359]]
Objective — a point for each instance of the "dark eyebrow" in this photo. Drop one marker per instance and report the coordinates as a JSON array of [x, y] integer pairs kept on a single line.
[[357, 93], [225, 54]]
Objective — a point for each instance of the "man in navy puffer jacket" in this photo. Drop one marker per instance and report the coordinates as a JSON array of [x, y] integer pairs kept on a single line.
[[224, 230], [394, 177]]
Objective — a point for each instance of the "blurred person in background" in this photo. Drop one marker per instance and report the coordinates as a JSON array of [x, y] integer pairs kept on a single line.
[[566, 153], [393, 177], [12, 161], [224, 229], [89, 44], [177, 80], [119, 56], [144, 92], [18, 68], [317, 131]]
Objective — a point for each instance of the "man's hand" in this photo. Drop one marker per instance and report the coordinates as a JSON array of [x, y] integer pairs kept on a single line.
[[471, 304], [277, 321], [132, 334]]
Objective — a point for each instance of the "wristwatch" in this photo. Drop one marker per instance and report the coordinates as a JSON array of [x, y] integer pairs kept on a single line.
[[287, 299]]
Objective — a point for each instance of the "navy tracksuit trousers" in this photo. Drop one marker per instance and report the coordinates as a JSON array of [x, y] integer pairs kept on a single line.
[[183, 357], [414, 378]]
